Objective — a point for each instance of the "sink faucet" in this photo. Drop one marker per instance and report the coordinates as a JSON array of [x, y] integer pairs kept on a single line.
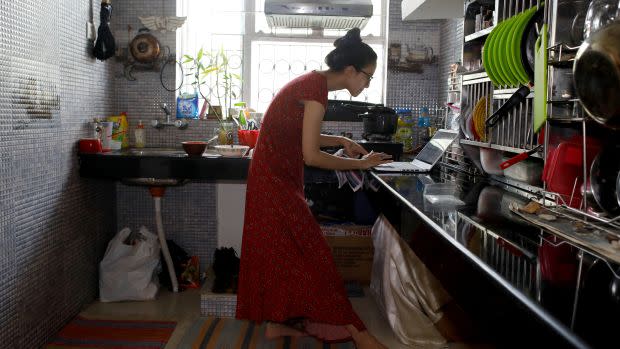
[[158, 124]]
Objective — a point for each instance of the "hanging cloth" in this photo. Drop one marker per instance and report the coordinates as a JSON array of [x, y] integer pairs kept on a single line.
[[105, 45]]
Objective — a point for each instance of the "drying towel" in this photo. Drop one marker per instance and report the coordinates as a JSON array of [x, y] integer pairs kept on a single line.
[[357, 179]]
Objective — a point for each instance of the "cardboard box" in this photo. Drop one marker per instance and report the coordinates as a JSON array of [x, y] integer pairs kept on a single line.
[[353, 256]]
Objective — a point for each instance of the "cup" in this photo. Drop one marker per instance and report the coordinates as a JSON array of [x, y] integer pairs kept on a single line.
[[107, 127], [89, 145]]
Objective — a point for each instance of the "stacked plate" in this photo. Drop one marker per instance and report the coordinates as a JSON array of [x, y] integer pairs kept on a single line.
[[505, 53]]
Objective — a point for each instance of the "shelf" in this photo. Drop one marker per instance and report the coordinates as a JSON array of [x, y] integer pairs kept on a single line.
[[508, 92], [479, 34], [564, 120], [475, 77], [562, 101], [568, 63], [499, 147]]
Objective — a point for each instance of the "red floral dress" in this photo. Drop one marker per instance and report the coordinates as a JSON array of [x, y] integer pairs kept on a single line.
[[287, 269]]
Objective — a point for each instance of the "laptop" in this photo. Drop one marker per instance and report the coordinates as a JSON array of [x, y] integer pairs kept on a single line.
[[427, 157]]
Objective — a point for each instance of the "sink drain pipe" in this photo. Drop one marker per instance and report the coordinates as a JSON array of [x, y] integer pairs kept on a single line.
[[157, 193]]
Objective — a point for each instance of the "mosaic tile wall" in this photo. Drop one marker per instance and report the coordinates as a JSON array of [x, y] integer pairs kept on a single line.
[[415, 90], [54, 225], [451, 51]]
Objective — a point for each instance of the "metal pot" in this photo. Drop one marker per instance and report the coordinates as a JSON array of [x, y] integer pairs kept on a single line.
[[144, 47], [596, 73], [379, 120]]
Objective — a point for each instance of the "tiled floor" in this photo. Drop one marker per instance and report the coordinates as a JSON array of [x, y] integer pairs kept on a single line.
[[184, 308]]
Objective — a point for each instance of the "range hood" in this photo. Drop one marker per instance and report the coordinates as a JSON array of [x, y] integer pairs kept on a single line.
[[432, 9], [324, 14]]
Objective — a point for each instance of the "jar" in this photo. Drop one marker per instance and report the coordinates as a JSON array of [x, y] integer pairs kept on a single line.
[[225, 133]]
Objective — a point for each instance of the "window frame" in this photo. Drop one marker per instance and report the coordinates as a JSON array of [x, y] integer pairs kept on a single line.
[[249, 35]]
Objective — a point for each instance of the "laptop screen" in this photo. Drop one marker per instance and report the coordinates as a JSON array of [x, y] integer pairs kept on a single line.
[[434, 149]]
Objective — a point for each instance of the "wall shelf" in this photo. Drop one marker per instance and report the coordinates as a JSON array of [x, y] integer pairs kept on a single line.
[[499, 147], [479, 34]]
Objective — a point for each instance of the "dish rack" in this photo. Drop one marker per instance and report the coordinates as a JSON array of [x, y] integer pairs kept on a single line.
[[514, 133]]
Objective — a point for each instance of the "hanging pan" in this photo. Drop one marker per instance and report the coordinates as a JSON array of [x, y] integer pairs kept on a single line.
[[144, 47]]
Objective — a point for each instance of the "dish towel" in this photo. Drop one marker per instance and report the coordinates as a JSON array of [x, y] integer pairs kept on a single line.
[[357, 179]]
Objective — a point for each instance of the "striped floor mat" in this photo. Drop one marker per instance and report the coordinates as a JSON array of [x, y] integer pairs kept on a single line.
[[227, 333], [89, 333]]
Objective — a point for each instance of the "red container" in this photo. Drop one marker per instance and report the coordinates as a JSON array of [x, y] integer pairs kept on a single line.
[[248, 137], [90, 145]]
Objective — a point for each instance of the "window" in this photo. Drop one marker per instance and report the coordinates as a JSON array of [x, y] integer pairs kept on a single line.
[[268, 58]]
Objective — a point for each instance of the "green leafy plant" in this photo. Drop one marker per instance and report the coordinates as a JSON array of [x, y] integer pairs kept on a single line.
[[217, 63]]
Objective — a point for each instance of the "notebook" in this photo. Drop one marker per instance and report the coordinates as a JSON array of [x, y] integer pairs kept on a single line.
[[426, 158]]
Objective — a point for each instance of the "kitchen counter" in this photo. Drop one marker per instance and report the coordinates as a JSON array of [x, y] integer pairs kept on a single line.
[[515, 280], [122, 164]]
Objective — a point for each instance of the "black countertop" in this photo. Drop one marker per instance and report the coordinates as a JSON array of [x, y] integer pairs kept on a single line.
[[175, 164], [491, 260]]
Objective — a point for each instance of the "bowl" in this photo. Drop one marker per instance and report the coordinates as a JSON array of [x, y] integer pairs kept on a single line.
[[194, 148], [248, 137], [232, 151]]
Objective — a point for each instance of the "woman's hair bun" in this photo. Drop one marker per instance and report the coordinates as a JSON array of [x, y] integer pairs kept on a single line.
[[352, 37]]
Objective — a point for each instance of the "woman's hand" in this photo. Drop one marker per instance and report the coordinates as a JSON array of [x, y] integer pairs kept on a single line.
[[352, 149], [373, 159]]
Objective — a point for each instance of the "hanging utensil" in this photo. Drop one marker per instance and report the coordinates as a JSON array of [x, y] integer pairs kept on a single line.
[[144, 47], [518, 158], [514, 100], [540, 80], [105, 46]]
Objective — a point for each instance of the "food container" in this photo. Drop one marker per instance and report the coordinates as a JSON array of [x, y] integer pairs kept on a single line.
[[232, 151], [442, 195], [490, 160], [527, 171]]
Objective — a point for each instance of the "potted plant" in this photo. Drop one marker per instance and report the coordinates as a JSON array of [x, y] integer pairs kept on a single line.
[[217, 63]]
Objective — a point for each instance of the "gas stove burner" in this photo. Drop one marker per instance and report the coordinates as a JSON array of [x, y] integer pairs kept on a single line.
[[377, 137]]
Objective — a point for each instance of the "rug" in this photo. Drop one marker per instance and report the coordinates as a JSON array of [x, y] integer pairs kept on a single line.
[[91, 333], [228, 333]]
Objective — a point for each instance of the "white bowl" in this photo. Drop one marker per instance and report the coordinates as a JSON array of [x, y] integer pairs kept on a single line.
[[233, 151]]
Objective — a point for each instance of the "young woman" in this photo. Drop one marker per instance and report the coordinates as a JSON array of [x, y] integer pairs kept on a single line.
[[287, 274]]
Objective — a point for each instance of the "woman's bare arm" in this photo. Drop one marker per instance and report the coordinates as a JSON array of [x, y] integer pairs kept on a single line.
[[311, 144]]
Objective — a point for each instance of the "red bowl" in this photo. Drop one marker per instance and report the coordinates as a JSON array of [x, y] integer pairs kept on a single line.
[[90, 145], [194, 148], [248, 137]]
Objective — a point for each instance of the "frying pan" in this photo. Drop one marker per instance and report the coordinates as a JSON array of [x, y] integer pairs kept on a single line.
[[528, 42]]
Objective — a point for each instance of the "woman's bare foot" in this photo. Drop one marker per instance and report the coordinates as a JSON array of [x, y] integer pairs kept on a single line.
[[275, 330], [364, 340]]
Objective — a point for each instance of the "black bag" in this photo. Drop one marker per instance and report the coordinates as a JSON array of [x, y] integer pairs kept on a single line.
[[226, 268]]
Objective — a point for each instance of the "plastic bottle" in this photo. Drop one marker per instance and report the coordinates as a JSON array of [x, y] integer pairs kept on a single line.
[[140, 135], [404, 129]]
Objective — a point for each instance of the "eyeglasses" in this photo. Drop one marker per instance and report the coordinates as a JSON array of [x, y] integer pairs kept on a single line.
[[367, 75]]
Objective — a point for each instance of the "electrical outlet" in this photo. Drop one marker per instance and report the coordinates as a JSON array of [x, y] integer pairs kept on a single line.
[[90, 31]]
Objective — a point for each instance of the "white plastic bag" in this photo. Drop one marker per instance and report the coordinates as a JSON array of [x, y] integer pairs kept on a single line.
[[127, 271], [406, 292]]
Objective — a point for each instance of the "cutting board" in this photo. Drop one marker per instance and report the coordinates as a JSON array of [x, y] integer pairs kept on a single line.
[[540, 80]]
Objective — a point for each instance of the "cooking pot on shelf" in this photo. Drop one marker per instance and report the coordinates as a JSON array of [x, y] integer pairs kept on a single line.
[[379, 120]]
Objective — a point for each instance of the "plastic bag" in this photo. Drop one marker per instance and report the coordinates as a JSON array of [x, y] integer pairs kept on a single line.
[[127, 271], [406, 292]]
